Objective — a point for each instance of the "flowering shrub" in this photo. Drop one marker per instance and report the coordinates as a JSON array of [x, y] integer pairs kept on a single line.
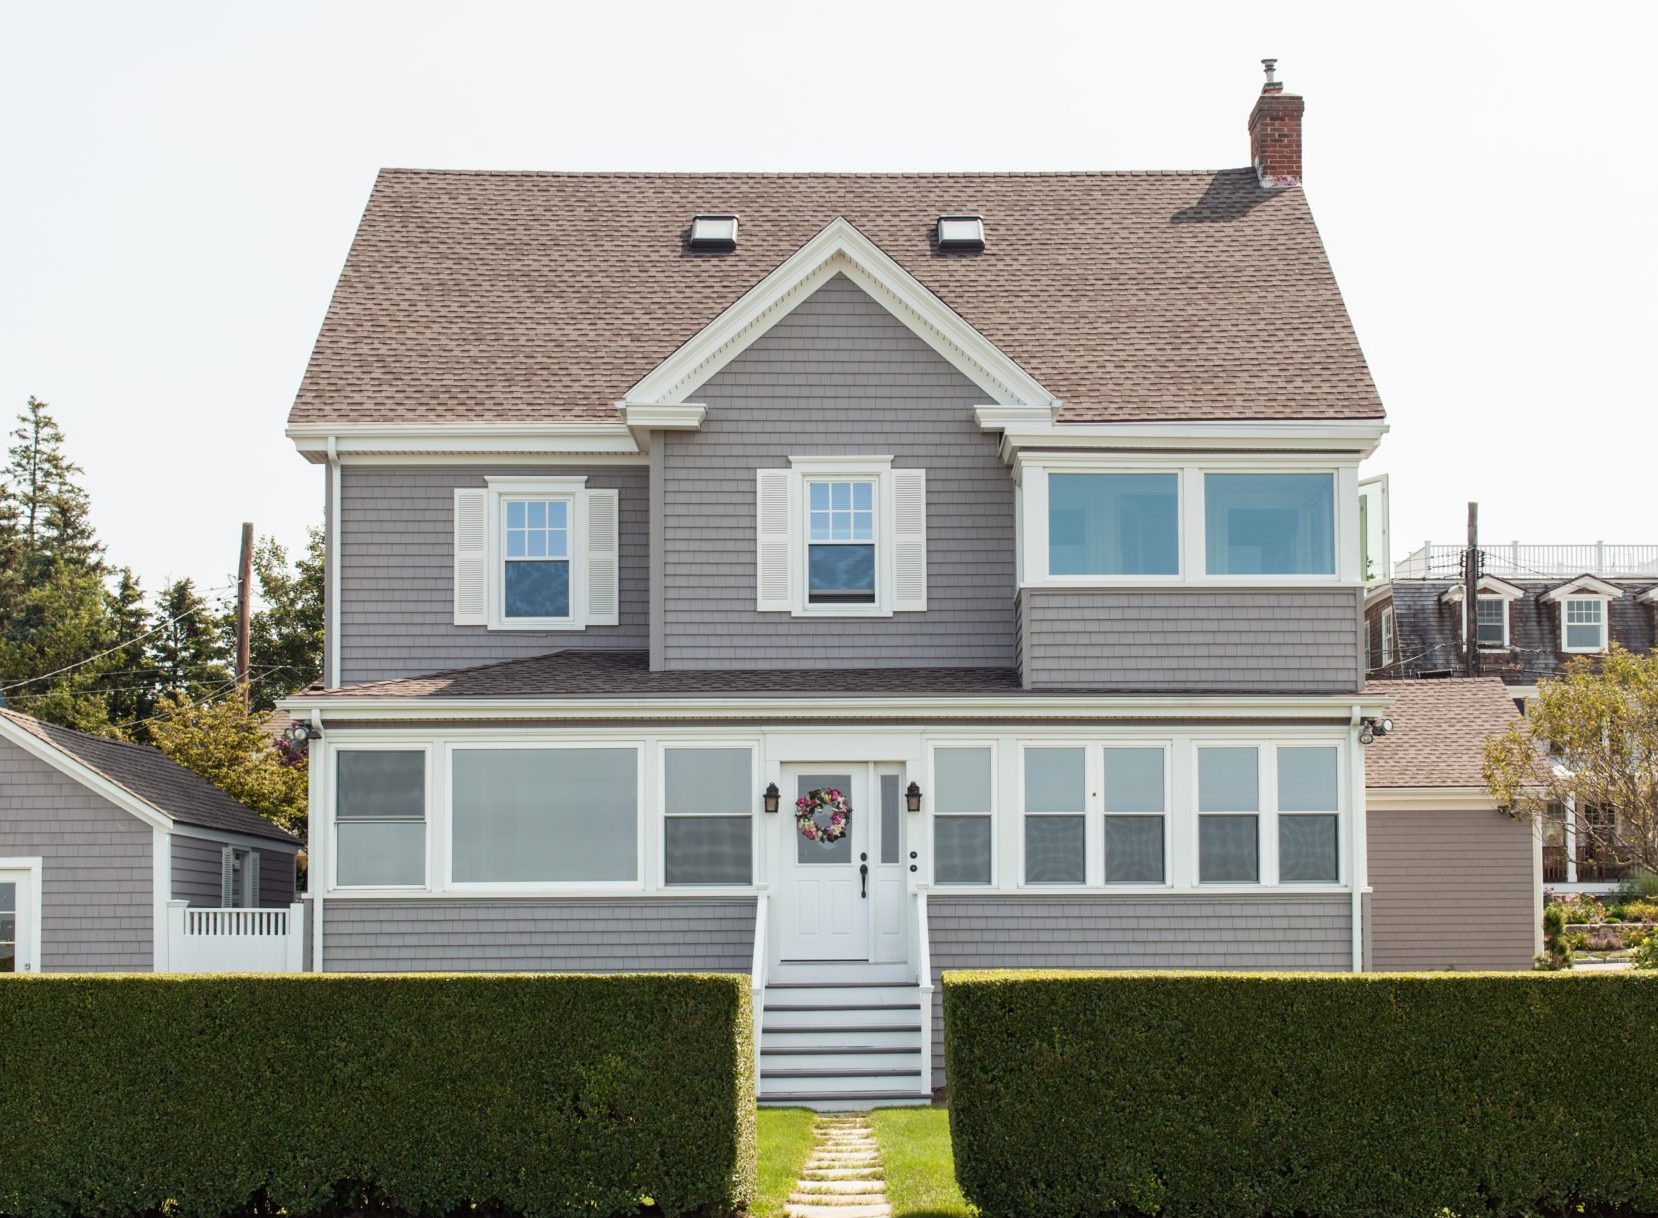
[[1578, 907]]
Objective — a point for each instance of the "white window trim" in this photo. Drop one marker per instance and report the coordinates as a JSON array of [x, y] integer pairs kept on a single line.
[[1504, 602], [1339, 812], [804, 470], [1605, 603], [1164, 746], [1266, 839], [532, 887], [660, 810], [994, 816], [35, 865], [331, 779], [571, 489], [1094, 814], [1090, 786], [1388, 642], [1031, 477]]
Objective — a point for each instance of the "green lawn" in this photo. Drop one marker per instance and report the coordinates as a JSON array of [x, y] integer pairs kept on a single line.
[[921, 1173], [783, 1140]]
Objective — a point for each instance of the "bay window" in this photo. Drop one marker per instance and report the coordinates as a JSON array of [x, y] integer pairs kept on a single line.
[[1113, 524], [380, 818], [1270, 524], [1134, 815], [708, 822], [963, 794], [1056, 794]]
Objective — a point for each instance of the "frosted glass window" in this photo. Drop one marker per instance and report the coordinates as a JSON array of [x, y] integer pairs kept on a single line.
[[1307, 780], [962, 779], [1133, 780], [1270, 524], [1113, 524], [819, 853], [545, 815], [708, 803], [961, 850], [892, 819], [1307, 849], [1585, 625], [1228, 780], [1133, 849], [535, 542], [1228, 849], [1055, 849], [1054, 780], [380, 818]]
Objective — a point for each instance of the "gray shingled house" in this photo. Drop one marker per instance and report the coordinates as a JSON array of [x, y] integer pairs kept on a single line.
[[113, 858], [1012, 520]]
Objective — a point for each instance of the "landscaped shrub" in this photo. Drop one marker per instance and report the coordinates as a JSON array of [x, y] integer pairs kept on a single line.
[[543, 1095], [1330, 1096]]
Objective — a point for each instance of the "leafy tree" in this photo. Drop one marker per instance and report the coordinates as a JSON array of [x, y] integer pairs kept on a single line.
[[285, 635], [188, 651], [1589, 741], [224, 744]]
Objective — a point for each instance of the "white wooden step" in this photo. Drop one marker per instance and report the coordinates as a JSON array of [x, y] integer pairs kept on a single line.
[[875, 1036], [781, 1016], [850, 1057], [802, 994]]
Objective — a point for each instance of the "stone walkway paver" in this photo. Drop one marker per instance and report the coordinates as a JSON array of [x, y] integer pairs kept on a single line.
[[843, 1177]]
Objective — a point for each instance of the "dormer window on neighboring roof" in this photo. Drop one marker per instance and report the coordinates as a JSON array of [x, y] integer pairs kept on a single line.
[[714, 233], [961, 233], [1491, 631], [1584, 613]]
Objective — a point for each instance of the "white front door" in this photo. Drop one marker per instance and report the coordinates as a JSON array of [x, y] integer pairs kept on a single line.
[[826, 890], [19, 932]]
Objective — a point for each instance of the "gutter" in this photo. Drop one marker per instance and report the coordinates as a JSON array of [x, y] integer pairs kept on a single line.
[[1357, 876]]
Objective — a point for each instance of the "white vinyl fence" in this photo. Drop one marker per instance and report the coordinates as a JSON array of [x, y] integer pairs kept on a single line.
[[202, 939]]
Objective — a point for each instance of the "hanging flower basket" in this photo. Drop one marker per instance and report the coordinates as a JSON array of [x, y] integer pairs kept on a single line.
[[823, 815]]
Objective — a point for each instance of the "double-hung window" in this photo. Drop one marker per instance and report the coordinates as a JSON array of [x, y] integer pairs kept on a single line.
[[1583, 624], [1056, 794], [1113, 524], [1229, 815], [840, 547], [1270, 524], [963, 798], [1387, 629], [1135, 810], [708, 807], [380, 818], [1308, 815], [1491, 622], [536, 557]]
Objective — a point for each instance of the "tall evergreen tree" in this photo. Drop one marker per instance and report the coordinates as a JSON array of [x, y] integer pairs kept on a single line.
[[53, 511], [188, 650], [130, 685]]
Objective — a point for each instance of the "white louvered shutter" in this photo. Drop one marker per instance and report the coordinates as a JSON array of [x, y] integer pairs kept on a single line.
[[227, 877], [471, 557], [773, 535], [602, 558], [909, 540], [250, 886]]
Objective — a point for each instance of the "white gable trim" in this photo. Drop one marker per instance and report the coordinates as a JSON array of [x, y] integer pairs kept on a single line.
[[1649, 597], [1585, 585], [89, 778], [1489, 585], [838, 249]]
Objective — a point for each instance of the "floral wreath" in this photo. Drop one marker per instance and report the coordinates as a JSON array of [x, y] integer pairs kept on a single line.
[[823, 799]]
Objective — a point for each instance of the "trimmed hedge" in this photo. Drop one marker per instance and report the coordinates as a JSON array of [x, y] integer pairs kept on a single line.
[[1333, 1096], [535, 1095]]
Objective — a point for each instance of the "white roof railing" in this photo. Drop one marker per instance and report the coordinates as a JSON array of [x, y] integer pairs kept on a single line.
[[1511, 560]]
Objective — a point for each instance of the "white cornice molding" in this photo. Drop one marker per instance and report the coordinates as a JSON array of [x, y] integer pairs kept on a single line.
[[917, 709], [1024, 428], [1584, 585], [463, 440], [1649, 597], [839, 248]]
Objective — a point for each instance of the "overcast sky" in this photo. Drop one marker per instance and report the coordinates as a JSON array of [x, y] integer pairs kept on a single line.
[[181, 183]]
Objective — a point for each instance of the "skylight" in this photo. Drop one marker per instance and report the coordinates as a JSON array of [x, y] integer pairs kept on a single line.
[[961, 232], [713, 232]]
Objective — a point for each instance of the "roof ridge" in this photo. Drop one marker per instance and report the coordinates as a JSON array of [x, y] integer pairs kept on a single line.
[[806, 175]]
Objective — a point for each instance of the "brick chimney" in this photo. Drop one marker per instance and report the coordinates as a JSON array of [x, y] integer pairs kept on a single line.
[[1275, 133]]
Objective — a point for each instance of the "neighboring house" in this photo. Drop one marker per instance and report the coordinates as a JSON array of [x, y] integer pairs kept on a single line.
[[1537, 606], [103, 844], [1457, 880], [1021, 508]]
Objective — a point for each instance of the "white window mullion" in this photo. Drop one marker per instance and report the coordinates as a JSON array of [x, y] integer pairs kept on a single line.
[[1193, 558], [1268, 770]]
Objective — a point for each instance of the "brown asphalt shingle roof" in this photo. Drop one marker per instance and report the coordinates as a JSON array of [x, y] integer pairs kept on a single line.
[[155, 778], [1439, 731], [540, 297]]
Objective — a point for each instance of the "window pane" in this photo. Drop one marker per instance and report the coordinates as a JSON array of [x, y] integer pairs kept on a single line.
[[961, 850], [1134, 780], [8, 897], [708, 780], [1054, 780], [1228, 850], [1054, 849], [1228, 780], [538, 589], [544, 815], [1270, 524], [819, 853], [841, 574], [379, 784], [1307, 849], [892, 818], [1134, 850], [1113, 524], [1583, 636], [380, 852], [1307, 780], [707, 849], [1491, 612], [962, 777]]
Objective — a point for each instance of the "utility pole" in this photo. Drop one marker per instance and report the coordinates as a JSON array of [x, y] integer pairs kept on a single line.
[[1470, 595], [244, 614]]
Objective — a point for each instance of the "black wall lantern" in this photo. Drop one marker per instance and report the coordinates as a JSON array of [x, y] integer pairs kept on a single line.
[[912, 797], [771, 797]]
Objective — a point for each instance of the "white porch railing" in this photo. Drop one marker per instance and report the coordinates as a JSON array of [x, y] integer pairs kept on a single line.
[[924, 974], [757, 974], [202, 939], [1511, 560]]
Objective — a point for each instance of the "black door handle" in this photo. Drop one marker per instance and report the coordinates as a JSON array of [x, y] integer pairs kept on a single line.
[[863, 880]]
